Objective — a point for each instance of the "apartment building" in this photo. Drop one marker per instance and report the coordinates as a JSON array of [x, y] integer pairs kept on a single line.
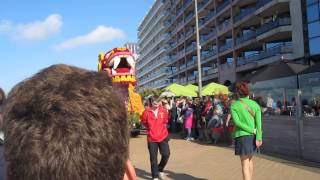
[[151, 63], [236, 37]]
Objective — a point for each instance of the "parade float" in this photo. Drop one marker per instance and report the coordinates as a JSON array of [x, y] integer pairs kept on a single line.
[[119, 64]]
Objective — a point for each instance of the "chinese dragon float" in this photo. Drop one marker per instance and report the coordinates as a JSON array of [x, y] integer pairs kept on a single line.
[[119, 64]]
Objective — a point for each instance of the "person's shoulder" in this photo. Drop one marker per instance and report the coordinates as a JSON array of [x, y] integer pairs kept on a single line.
[[254, 103]]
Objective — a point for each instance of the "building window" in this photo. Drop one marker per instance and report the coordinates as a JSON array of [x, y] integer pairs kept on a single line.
[[314, 46], [314, 29], [313, 12], [313, 15]]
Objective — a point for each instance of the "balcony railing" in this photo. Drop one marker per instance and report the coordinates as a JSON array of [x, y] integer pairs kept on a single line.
[[243, 14], [180, 54], [191, 63], [245, 37], [182, 67], [166, 13], [209, 54], [182, 8], [223, 5], [225, 25], [262, 3], [284, 21], [276, 50], [226, 46], [189, 17], [180, 39], [190, 32], [210, 71], [191, 47], [202, 5]]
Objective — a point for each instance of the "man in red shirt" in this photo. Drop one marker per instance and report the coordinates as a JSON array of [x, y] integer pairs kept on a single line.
[[155, 119]]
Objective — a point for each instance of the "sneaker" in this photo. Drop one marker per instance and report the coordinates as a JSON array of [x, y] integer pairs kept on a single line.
[[162, 175], [155, 179], [192, 139]]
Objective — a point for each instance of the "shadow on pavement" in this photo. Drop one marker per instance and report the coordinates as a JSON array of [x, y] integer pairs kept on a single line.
[[142, 174]]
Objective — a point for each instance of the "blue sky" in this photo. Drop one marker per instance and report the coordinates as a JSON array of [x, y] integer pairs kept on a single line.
[[35, 34]]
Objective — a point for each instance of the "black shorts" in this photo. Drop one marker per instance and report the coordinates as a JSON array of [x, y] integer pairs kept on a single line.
[[245, 145]]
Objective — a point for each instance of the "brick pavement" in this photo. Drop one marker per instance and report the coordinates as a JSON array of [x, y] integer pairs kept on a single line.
[[191, 161]]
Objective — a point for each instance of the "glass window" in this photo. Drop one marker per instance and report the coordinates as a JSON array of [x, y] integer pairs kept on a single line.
[[310, 96], [314, 46], [314, 29], [313, 12], [311, 1]]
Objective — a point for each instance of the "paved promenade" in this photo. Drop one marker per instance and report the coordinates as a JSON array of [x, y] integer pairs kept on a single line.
[[191, 161]]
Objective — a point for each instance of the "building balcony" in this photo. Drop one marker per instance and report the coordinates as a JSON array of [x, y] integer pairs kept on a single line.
[[209, 36], [285, 48], [225, 46], [182, 67], [210, 74], [153, 66], [173, 45], [161, 84], [191, 47], [172, 59], [155, 75], [188, 17], [191, 63], [243, 13], [208, 18], [180, 54], [261, 3], [182, 8], [166, 13], [208, 54], [222, 6], [202, 5], [167, 24], [189, 33], [183, 81], [284, 21], [245, 37], [224, 26]]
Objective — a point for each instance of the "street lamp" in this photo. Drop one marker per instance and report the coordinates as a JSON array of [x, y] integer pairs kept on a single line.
[[198, 49]]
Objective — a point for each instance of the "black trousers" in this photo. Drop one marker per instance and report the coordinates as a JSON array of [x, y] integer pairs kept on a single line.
[[153, 147]]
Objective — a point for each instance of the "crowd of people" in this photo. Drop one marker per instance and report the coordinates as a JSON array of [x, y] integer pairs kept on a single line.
[[205, 119]]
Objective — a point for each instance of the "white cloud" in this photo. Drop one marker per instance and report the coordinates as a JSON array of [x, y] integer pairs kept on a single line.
[[98, 35], [34, 31], [5, 26]]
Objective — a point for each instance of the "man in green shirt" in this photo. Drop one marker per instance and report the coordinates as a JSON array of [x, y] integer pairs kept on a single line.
[[246, 116]]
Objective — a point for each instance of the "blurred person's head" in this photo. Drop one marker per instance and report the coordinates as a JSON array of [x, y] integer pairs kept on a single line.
[[66, 123], [2, 99], [242, 89], [154, 102], [2, 96]]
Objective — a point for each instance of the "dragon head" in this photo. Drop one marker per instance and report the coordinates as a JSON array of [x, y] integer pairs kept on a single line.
[[119, 63]]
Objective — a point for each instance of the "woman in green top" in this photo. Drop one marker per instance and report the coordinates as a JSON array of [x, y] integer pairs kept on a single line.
[[246, 116]]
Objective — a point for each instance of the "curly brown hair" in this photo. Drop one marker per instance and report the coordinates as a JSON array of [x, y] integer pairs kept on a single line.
[[65, 123], [242, 88], [2, 96]]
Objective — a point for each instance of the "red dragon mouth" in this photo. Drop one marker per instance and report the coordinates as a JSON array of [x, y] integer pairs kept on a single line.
[[122, 65]]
